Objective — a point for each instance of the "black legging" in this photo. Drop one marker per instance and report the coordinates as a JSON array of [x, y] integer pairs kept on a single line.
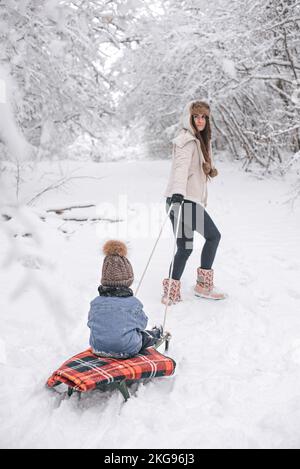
[[194, 217]]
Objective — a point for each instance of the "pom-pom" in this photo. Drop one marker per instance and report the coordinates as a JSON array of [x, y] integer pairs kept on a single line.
[[114, 248]]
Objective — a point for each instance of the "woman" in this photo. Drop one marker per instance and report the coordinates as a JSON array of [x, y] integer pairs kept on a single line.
[[192, 167]]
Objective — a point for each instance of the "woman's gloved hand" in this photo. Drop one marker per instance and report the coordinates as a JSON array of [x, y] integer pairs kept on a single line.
[[177, 199]]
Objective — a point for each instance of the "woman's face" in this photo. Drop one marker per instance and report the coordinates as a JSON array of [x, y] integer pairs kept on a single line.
[[200, 121]]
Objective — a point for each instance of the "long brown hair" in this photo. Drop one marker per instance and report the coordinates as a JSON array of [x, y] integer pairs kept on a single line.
[[204, 136]]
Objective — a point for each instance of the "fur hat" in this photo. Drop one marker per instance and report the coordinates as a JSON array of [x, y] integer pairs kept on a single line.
[[116, 270], [200, 107]]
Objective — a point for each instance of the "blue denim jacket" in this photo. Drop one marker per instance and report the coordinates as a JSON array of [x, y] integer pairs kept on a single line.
[[115, 325]]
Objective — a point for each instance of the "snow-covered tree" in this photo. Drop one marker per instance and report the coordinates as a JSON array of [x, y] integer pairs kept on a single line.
[[60, 60], [55, 52], [240, 55]]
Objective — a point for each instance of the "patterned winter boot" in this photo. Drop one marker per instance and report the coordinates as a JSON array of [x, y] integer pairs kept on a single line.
[[174, 294], [205, 285]]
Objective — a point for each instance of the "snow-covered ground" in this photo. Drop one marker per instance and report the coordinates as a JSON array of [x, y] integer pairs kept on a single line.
[[237, 382]]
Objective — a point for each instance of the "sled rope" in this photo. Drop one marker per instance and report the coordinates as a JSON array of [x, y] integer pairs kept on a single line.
[[172, 265], [154, 247]]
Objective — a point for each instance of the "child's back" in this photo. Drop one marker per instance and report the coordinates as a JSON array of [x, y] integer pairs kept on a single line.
[[116, 318], [116, 324]]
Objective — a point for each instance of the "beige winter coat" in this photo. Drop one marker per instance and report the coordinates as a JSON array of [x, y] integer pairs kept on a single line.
[[187, 176]]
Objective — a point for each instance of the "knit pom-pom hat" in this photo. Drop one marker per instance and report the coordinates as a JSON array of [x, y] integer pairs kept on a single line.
[[116, 270]]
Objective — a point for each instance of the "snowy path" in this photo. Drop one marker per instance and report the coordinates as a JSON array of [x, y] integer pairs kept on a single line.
[[238, 361]]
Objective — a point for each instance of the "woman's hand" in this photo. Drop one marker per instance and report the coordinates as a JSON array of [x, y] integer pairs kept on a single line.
[[177, 199]]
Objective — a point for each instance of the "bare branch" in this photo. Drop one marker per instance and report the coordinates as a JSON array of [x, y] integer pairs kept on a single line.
[[58, 184]]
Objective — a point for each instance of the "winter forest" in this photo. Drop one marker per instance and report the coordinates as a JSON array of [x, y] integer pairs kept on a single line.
[[91, 96]]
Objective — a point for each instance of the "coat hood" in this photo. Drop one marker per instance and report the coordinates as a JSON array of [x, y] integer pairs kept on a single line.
[[185, 124]]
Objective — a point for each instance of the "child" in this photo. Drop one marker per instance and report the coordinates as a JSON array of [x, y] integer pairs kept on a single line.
[[116, 318]]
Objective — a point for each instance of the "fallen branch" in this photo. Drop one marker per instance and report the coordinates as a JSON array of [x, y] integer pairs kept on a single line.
[[59, 211], [79, 220], [92, 219]]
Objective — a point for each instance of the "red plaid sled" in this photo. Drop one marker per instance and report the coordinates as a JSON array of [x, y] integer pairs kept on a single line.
[[86, 371]]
